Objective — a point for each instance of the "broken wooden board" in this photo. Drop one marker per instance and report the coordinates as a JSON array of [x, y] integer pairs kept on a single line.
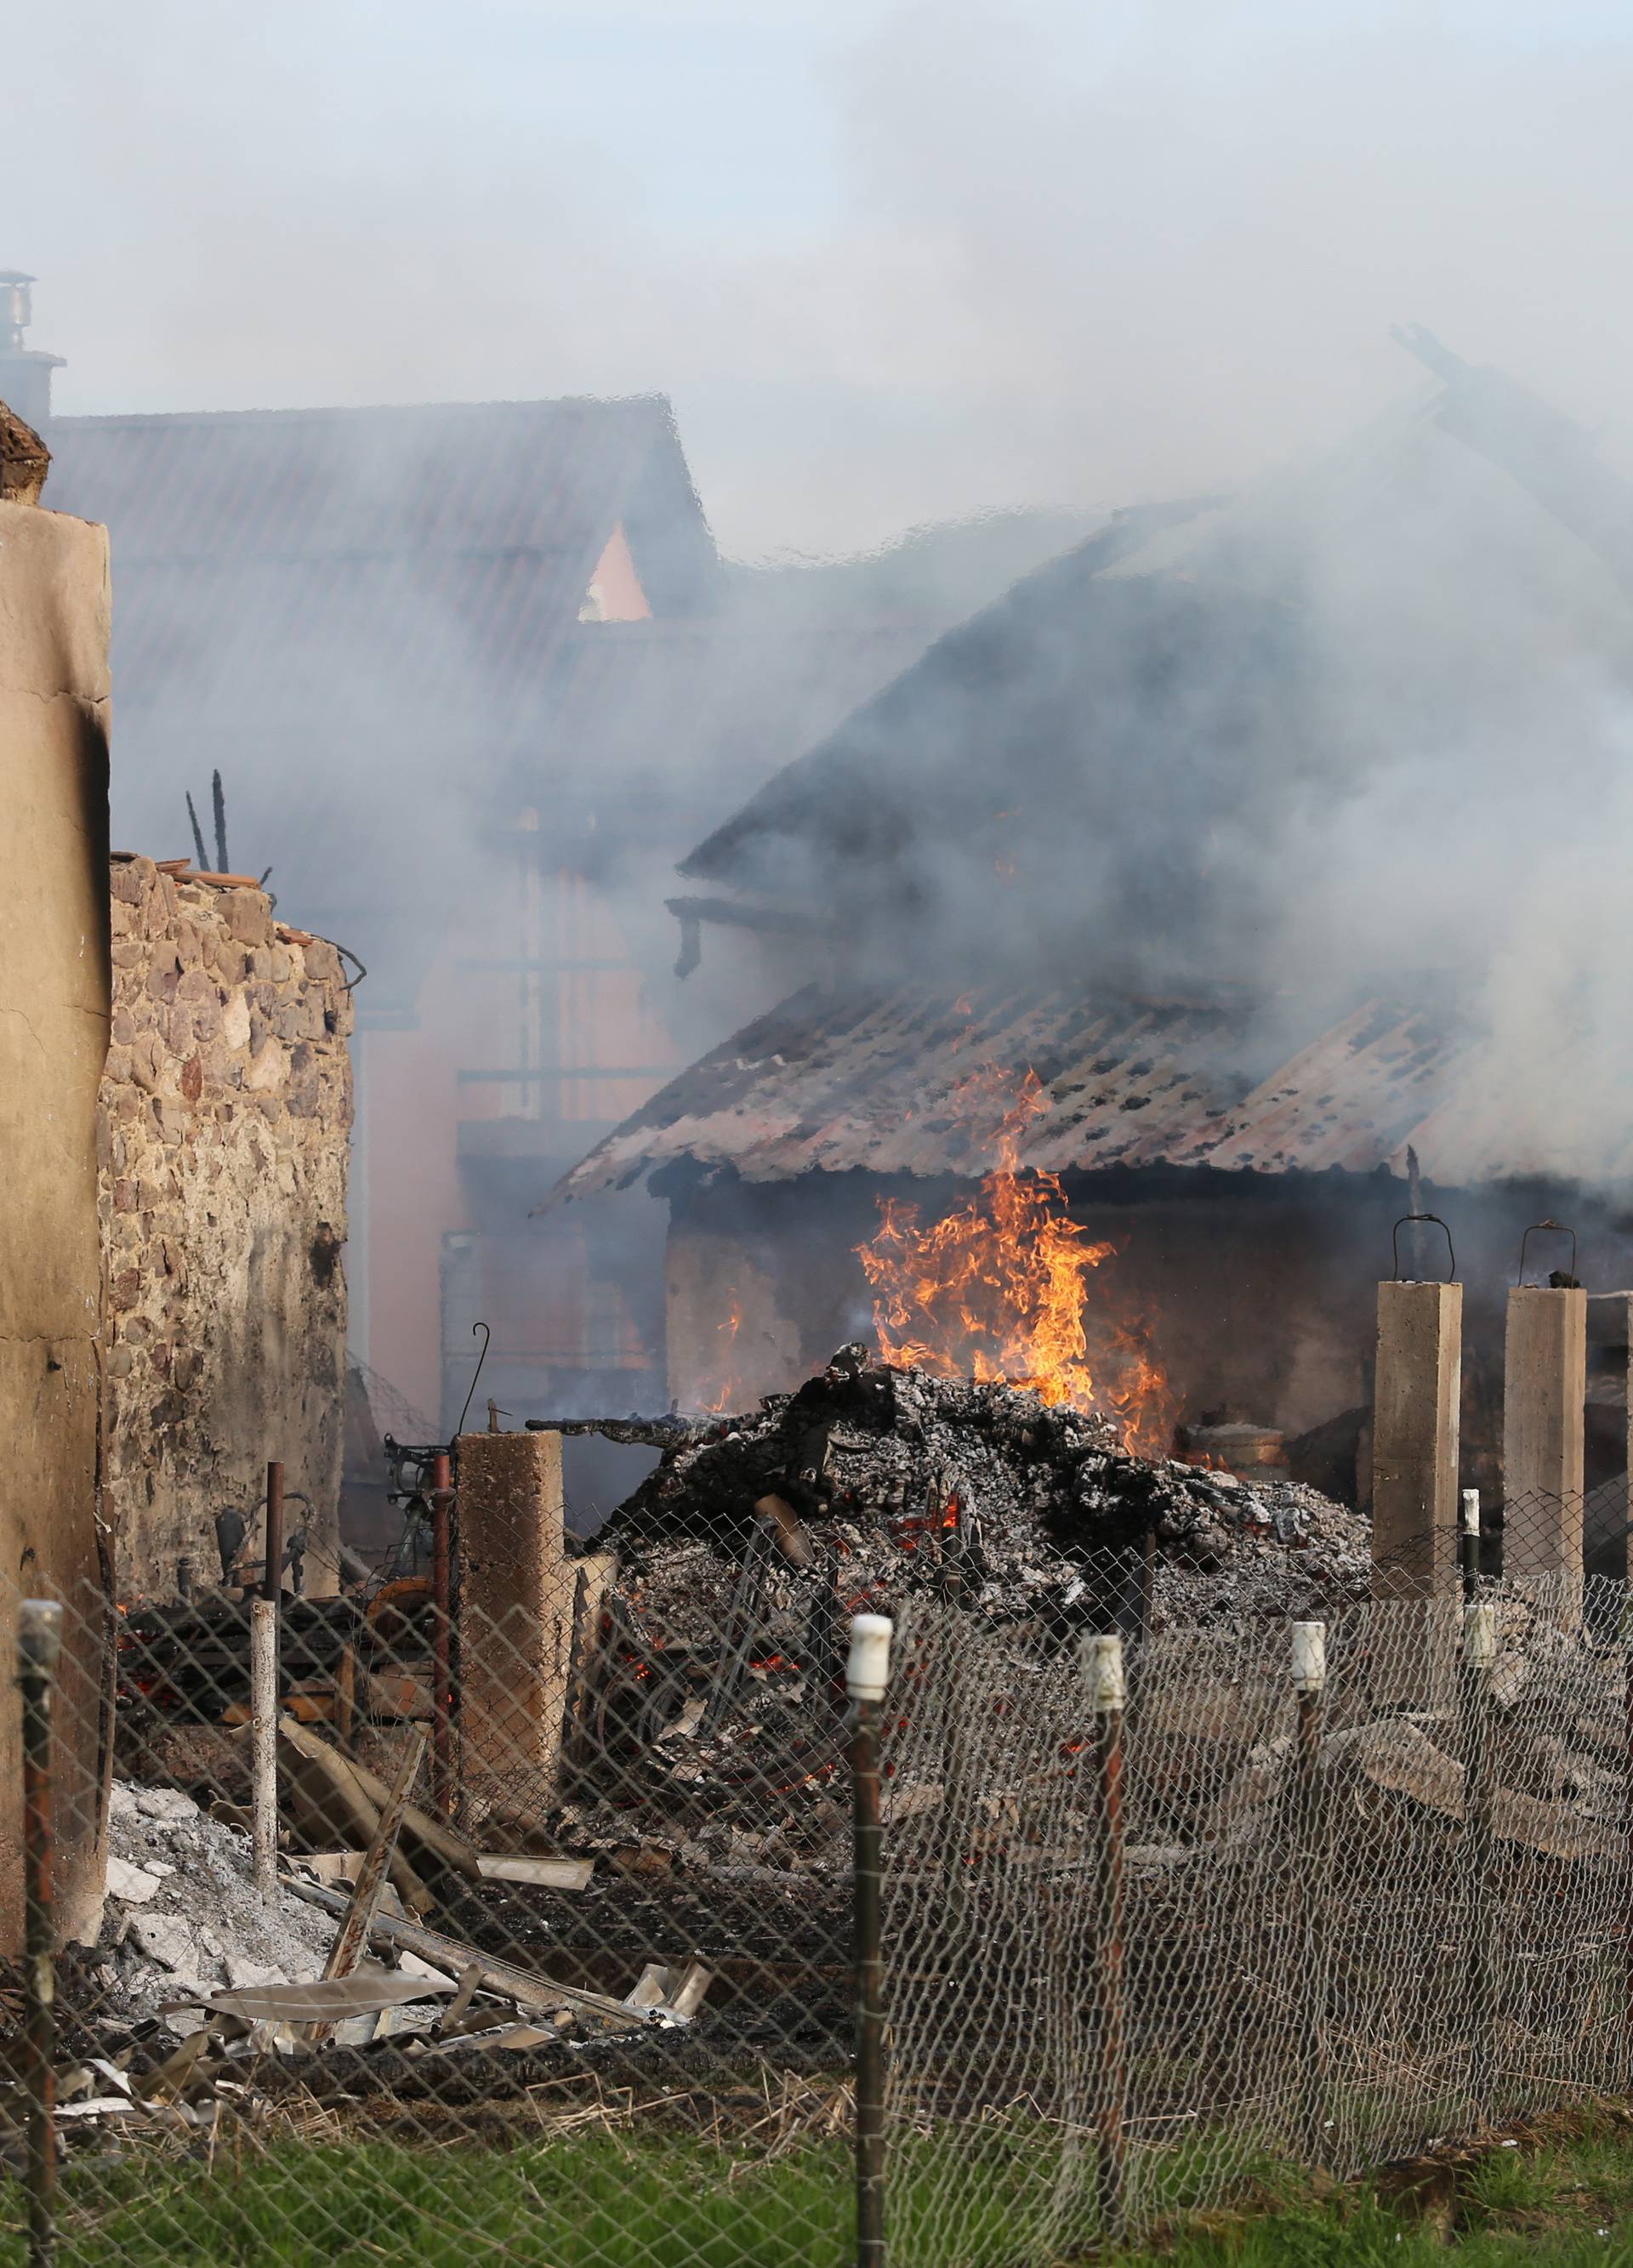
[[543, 1873], [540, 1994], [362, 1795], [330, 1804]]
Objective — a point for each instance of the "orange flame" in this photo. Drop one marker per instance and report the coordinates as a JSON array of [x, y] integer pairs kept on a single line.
[[726, 1398], [997, 1288]]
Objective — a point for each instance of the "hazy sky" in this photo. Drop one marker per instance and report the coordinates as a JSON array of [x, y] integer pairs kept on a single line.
[[891, 263]]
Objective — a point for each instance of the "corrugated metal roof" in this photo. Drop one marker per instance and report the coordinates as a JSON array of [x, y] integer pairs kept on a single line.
[[881, 1085]]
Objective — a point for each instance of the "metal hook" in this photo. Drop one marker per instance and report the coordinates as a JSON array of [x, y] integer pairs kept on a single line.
[[1558, 1228], [486, 1338], [1394, 1242]]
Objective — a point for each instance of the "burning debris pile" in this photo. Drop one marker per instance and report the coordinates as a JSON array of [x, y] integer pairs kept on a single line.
[[874, 1484]]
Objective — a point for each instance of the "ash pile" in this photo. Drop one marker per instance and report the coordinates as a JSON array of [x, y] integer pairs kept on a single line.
[[185, 1917], [872, 1484]]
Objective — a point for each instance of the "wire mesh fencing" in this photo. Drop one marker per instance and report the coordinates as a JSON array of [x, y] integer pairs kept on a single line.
[[406, 1923]]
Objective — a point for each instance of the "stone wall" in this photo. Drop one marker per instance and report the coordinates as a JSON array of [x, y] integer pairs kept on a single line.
[[226, 1114], [53, 1011]]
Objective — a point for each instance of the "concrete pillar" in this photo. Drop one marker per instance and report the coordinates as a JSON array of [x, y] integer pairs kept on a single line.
[[516, 1595], [1544, 1395], [1610, 1381], [1414, 1440]]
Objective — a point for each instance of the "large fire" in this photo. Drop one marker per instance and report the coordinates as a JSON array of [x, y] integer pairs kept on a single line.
[[997, 1289]]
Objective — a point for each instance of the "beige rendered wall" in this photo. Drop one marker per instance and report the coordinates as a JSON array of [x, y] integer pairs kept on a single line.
[[53, 1021]]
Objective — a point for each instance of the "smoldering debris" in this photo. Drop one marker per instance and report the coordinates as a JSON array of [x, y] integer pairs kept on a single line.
[[873, 1484]]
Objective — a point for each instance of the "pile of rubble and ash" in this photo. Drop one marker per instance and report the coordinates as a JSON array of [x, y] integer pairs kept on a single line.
[[184, 1917], [871, 1484]]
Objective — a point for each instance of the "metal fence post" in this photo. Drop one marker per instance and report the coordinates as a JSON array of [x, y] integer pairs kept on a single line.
[[1469, 1543], [272, 1573], [1108, 1694], [866, 1676], [1478, 1660], [264, 1740], [1311, 1863], [1624, 2061], [39, 1642], [442, 1636]]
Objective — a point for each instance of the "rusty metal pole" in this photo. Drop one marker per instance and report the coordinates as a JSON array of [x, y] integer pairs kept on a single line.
[[1311, 1867], [441, 1636], [1108, 1694], [867, 1674], [39, 1643], [1478, 1662], [272, 1576]]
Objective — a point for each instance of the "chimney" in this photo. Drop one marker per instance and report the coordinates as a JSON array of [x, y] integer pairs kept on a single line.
[[25, 375]]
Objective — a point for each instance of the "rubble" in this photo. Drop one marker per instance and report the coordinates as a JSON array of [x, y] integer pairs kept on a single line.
[[184, 1917]]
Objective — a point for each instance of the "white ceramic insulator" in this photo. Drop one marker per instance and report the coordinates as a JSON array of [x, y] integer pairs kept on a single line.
[[1108, 1685], [1479, 1634], [1471, 1512], [1309, 1657], [868, 1672]]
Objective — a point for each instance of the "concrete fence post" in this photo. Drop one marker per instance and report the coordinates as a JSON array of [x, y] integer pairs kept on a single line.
[[1610, 1360], [515, 1601], [1414, 1440], [1544, 1399], [1414, 1491]]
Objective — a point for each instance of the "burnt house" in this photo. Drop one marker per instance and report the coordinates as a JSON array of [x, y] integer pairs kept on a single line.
[[1093, 835]]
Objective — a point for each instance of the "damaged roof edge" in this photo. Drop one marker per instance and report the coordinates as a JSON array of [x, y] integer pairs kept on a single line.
[[882, 1083]]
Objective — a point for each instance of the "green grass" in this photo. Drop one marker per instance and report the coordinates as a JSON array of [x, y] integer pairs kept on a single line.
[[603, 2199]]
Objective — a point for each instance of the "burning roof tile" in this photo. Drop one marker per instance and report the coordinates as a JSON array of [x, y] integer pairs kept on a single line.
[[880, 1084]]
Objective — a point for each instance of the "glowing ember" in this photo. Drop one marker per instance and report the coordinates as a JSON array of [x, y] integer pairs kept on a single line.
[[996, 1289]]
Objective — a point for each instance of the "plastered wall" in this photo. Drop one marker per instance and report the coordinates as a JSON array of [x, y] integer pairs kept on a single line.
[[54, 1024]]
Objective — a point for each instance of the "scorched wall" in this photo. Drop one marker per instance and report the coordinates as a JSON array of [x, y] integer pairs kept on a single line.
[[225, 1113]]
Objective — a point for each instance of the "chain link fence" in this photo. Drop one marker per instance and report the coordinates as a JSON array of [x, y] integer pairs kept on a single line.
[[452, 1931]]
